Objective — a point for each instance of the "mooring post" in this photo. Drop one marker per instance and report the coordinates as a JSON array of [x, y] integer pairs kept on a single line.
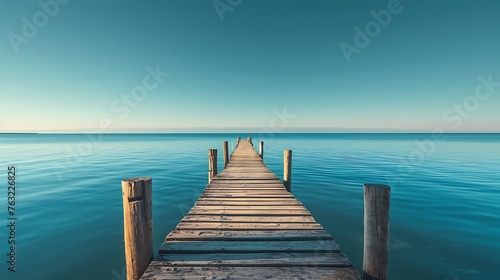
[[212, 164], [238, 141], [250, 140], [261, 149], [376, 231], [287, 170], [226, 153], [138, 225]]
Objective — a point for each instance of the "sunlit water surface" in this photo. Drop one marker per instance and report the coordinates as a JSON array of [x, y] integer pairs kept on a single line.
[[445, 200]]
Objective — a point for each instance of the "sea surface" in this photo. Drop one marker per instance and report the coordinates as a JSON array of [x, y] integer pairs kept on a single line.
[[445, 197]]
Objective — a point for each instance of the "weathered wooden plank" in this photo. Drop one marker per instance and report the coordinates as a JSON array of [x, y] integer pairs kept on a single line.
[[247, 195], [247, 203], [261, 165], [237, 188], [254, 189], [248, 186], [246, 169], [250, 156], [255, 234], [284, 212], [158, 271], [234, 175], [244, 192], [241, 164], [217, 180], [246, 226], [245, 160], [255, 260], [250, 208], [204, 247], [246, 199], [242, 155], [236, 162], [249, 219]]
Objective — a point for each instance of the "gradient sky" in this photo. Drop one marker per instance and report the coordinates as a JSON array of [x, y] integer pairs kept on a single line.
[[238, 72]]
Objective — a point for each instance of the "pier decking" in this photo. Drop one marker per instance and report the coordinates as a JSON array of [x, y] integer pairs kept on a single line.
[[246, 225]]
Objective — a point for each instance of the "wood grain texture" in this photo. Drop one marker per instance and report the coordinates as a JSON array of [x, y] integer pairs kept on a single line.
[[261, 149], [245, 235], [287, 169], [248, 219], [247, 225], [138, 225], [283, 273], [212, 164], [225, 151], [242, 247], [283, 259], [376, 231]]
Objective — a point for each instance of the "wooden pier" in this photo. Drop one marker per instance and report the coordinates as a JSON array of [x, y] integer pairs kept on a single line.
[[246, 225]]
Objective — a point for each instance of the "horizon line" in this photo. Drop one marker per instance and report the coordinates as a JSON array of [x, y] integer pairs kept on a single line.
[[260, 130], [192, 132]]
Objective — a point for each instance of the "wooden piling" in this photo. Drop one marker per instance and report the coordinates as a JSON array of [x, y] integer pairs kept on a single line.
[[226, 153], [238, 141], [212, 164], [376, 231], [138, 225], [287, 170], [250, 140], [261, 149]]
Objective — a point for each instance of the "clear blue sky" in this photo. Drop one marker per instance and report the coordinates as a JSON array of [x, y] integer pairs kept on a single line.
[[71, 73]]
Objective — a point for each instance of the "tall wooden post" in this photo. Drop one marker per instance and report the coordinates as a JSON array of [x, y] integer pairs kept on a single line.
[[138, 225], [212, 164], [287, 170], [226, 153], [238, 140], [261, 149], [376, 231], [250, 140]]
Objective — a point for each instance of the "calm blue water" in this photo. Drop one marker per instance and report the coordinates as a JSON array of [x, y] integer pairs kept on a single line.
[[445, 212]]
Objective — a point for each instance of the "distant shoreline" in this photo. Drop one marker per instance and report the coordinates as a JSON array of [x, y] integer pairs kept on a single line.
[[252, 133], [1, 133]]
